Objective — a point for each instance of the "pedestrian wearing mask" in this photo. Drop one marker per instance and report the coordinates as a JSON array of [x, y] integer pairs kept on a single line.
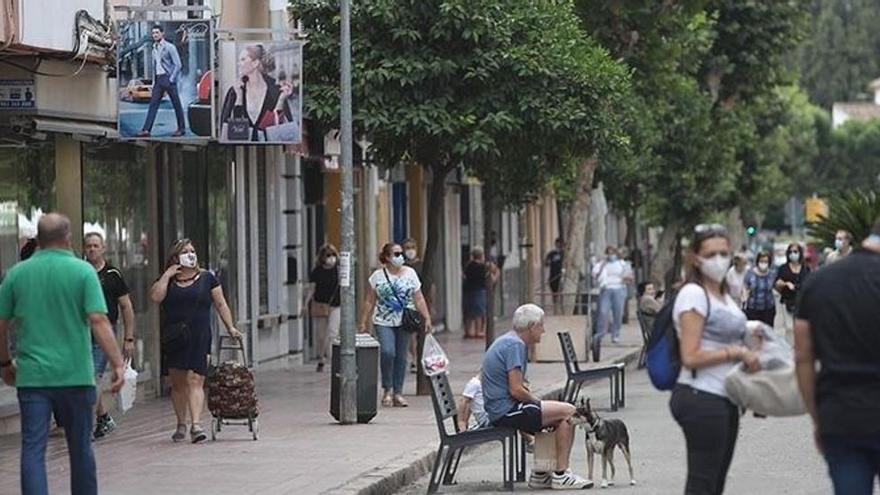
[[324, 301], [842, 247], [836, 328], [760, 303], [393, 288], [186, 294], [411, 253], [478, 277], [711, 329], [789, 278], [612, 276]]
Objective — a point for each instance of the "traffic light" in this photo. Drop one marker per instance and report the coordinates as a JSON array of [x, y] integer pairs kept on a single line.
[[751, 230]]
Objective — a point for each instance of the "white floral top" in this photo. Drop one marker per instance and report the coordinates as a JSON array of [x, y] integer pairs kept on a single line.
[[389, 310]]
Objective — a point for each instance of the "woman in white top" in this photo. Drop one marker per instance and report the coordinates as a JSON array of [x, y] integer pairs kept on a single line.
[[612, 275], [711, 328], [393, 288]]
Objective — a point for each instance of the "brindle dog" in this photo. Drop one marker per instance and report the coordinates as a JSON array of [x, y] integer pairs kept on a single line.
[[602, 437]]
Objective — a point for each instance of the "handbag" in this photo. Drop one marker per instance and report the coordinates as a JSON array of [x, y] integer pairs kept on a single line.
[[411, 320], [238, 129], [318, 309], [175, 336]]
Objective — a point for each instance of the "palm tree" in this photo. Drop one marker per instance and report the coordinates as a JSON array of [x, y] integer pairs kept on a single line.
[[855, 212]]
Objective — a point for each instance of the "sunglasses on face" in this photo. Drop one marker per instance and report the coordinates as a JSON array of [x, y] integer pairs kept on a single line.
[[397, 253]]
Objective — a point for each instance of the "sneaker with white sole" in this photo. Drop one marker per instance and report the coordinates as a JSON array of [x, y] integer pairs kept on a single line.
[[540, 480], [569, 481]]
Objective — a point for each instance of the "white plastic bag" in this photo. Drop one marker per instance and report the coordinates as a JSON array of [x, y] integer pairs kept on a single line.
[[434, 360], [126, 395], [772, 391]]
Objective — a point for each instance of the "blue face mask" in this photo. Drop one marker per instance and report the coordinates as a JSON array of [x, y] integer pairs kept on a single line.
[[612, 258]]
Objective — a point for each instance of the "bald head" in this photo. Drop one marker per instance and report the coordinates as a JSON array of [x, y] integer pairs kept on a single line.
[[53, 230]]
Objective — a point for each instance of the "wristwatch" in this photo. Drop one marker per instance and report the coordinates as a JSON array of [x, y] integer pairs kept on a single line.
[[6, 363]]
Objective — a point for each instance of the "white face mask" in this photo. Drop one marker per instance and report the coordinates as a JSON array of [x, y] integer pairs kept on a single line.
[[397, 261], [410, 254], [715, 267], [838, 243], [330, 261], [763, 266], [189, 260], [794, 257]]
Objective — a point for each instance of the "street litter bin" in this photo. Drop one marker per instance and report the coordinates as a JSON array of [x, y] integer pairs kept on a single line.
[[367, 357]]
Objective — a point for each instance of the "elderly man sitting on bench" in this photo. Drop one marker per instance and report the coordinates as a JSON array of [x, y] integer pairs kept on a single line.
[[509, 403]]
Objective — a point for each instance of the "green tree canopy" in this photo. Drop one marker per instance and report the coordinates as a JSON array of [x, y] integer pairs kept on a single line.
[[503, 88]]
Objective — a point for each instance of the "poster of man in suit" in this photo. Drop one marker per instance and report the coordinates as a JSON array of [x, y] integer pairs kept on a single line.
[[165, 80]]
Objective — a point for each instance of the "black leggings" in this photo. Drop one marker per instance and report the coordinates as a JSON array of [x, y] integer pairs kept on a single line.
[[767, 316], [710, 424]]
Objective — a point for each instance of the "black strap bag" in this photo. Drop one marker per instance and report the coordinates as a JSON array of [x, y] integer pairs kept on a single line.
[[412, 321], [175, 336]]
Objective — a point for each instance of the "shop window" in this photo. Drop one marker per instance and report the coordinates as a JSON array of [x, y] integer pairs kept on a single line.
[[116, 204], [27, 189]]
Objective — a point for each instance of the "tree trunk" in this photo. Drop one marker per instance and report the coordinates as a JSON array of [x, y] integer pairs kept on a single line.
[[574, 262], [436, 203], [488, 227], [664, 255]]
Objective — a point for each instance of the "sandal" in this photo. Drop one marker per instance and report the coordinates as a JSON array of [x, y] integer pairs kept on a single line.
[[179, 434], [197, 434], [399, 401], [387, 401]]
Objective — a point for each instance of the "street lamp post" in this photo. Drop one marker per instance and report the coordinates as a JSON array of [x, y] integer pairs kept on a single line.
[[347, 358]]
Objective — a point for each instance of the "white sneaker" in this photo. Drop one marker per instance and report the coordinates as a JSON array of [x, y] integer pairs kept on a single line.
[[570, 481], [540, 480]]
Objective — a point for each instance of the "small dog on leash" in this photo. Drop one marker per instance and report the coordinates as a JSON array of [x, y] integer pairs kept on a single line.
[[602, 437]]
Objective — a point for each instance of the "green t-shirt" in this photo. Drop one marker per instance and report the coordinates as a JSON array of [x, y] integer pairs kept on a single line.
[[51, 296]]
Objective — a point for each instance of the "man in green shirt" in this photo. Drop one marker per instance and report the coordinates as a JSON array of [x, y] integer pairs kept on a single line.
[[55, 299]]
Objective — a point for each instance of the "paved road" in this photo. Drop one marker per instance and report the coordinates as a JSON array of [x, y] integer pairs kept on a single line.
[[773, 456]]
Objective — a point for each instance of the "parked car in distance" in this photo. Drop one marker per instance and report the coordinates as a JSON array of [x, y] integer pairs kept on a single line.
[[138, 90]]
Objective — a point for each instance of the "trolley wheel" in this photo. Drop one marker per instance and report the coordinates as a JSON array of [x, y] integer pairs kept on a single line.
[[214, 428], [255, 428]]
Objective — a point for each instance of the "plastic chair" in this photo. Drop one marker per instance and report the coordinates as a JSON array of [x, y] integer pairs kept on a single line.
[[577, 377], [513, 448]]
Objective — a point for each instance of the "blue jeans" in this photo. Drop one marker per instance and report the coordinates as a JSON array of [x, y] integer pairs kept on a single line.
[[394, 344], [73, 408], [611, 302], [853, 462]]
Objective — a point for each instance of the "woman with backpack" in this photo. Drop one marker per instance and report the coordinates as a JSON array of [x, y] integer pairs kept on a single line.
[[711, 329], [394, 289]]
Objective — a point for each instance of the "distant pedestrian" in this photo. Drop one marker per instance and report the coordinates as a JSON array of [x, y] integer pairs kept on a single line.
[[471, 405], [553, 261], [736, 278], [411, 253], [324, 296], [649, 304], [836, 326], [612, 275], [116, 295], [711, 329], [55, 299], [510, 404], [186, 294], [478, 276], [789, 279], [842, 247], [393, 288], [760, 303]]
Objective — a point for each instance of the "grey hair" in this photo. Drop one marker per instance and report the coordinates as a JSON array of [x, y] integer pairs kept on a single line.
[[52, 228], [526, 316]]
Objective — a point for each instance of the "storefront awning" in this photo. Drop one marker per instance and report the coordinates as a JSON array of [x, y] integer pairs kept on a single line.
[[66, 126]]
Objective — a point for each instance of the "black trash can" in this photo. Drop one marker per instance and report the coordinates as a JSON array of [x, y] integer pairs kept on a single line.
[[367, 357]]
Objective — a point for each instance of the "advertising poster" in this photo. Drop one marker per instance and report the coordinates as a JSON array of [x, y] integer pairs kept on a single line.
[[165, 80], [260, 92]]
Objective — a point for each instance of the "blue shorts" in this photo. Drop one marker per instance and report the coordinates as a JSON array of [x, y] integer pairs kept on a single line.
[[99, 357]]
